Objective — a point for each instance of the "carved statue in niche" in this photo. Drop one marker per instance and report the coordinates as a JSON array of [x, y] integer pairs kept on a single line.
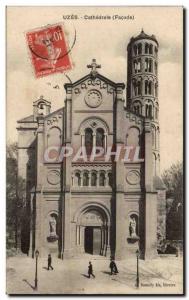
[[52, 225], [132, 227], [52, 229]]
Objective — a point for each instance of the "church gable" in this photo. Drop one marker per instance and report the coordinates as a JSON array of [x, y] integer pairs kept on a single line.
[[93, 93]]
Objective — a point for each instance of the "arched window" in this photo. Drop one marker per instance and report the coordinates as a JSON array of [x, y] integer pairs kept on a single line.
[[150, 88], [148, 65], [77, 179], [110, 181], [93, 179], [139, 88], [156, 51], [85, 179], [135, 49], [137, 66], [88, 140], [133, 137], [149, 111], [146, 87], [137, 107], [54, 137], [102, 179], [151, 49], [140, 48], [41, 108], [146, 48], [100, 137]]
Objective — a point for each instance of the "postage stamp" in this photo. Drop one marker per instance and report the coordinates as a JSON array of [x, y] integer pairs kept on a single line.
[[49, 50]]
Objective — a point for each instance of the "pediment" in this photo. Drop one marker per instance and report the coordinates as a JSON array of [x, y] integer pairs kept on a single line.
[[98, 79]]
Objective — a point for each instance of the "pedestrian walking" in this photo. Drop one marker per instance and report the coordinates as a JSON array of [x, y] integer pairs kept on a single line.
[[113, 267], [90, 270], [50, 262]]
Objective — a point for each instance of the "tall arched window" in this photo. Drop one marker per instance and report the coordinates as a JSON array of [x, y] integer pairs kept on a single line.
[[149, 111], [85, 179], [151, 49], [150, 88], [139, 88], [133, 137], [93, 179], [135, 49], [88, 140], [102, 179], [146, 87], [100, 137], [137, 108], [77, 179], [146, 48], [139, 48]]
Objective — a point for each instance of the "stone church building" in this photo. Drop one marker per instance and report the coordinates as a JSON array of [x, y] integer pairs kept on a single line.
[[100, 207]]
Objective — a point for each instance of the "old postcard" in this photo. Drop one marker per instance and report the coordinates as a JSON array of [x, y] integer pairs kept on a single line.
[[94, 150]]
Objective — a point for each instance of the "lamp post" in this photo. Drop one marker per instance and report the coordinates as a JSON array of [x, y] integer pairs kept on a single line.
[[36, 261], [137, 278]]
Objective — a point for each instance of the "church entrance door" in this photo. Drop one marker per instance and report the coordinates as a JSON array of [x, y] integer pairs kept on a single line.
[[93, 231], [93, 240]]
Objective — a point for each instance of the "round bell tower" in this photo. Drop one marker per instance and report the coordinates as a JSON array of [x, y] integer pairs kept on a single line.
[[142, 84]]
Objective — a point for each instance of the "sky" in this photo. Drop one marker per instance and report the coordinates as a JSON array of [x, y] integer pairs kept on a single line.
[[105, 40]]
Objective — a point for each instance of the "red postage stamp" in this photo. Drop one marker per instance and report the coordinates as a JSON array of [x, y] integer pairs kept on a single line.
[[49, 50]]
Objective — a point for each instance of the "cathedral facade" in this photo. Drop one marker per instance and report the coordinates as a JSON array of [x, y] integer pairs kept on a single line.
[[107, 207]]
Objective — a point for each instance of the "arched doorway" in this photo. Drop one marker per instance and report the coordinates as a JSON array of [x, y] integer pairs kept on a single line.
[[93, 231]]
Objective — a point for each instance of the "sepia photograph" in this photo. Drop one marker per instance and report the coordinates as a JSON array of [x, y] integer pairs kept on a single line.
[[94, 150]]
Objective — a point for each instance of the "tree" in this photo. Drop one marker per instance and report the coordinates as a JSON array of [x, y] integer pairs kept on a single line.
[[14, 195], [173, 180]]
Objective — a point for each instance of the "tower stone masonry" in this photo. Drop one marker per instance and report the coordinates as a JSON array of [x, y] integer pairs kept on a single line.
[[107, 208]]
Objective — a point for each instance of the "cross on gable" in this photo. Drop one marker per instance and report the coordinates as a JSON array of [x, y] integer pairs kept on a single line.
[[93, 66]]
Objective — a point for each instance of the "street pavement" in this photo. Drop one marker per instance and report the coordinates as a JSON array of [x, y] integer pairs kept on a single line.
[[160, 275]]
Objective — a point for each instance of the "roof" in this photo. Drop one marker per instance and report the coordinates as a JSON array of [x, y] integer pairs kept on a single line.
[[143, 35], [29, 119], [97, 75], [158, 183], [54, 112]]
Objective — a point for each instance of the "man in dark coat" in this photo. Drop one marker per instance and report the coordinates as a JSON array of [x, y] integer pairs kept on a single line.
[[50, 262], [113, 267], [90, 270]]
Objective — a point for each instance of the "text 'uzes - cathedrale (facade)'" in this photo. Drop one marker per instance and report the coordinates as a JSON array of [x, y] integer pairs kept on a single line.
[[108, 208]]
